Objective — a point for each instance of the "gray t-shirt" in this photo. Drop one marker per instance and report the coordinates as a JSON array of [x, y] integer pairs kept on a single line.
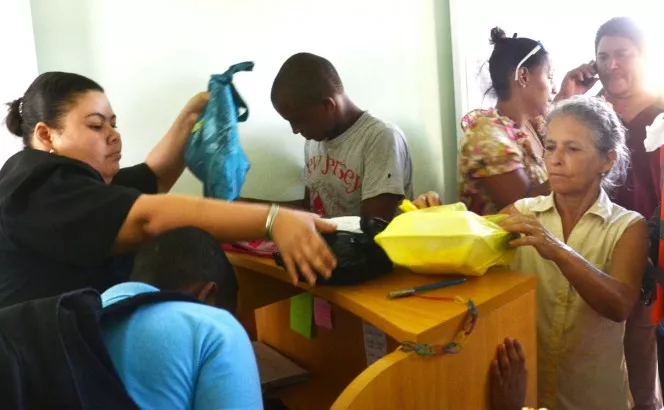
[[371, 158]]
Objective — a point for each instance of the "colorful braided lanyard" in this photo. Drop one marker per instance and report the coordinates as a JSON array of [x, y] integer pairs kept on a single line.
[[456, 345]]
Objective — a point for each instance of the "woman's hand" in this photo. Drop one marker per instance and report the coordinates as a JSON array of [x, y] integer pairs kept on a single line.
[[296, 234], [578, 82], [166, 159], [196, 104], [428, 200], [533, 234]]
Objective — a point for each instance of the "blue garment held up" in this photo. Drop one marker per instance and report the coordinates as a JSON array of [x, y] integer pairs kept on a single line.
[[213, 152]]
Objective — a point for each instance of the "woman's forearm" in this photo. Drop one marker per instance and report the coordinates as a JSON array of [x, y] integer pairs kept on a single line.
[[606, 295], [155, 214], [166, 159]]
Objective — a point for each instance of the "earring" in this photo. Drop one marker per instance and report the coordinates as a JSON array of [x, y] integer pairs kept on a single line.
[[52, 151]]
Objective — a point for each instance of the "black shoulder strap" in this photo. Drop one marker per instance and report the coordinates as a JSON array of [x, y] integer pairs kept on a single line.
[[127, 306]]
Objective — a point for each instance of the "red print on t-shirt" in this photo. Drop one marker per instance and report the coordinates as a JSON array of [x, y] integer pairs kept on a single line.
[[317, 205], [349, 177]]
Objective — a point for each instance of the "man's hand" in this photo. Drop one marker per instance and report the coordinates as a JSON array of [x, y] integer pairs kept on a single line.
[[578, 82], [428, 200]]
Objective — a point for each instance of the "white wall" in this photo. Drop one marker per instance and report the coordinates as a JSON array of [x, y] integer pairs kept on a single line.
[[19, 66], [151, 56]]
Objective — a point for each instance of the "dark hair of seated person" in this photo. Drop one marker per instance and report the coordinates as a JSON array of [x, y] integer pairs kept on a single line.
[[188, 260], [306, 79]]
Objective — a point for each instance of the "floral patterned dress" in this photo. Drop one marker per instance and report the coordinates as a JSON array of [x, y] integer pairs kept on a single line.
[[492, 145]]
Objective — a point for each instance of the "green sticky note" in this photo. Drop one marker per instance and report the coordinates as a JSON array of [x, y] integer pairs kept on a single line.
[[302, 313]]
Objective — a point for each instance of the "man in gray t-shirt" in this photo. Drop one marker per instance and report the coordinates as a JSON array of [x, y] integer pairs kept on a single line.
[[356, 164]]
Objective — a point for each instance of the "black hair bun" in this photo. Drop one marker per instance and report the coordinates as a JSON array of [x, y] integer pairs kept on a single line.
[[13, 119], [497, 36]]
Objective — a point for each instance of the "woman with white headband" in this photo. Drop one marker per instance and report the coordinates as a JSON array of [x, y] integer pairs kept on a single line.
[[500, 154], [500, 157]]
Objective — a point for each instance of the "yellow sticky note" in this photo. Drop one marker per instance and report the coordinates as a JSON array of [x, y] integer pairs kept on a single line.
[[301, 314]]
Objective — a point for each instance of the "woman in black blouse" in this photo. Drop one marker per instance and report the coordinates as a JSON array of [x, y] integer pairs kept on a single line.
[[67, 210]]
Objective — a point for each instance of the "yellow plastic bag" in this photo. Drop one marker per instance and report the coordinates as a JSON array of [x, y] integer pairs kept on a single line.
[[446, 239]]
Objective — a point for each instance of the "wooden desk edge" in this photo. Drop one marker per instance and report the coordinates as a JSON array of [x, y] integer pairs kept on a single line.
[[484, 308], [364, 379], [450, 325]]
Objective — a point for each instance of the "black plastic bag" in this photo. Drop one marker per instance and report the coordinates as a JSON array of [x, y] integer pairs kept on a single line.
[[359, 258]]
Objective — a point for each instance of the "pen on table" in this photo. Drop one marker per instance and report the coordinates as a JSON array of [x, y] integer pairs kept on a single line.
[[438, 285]]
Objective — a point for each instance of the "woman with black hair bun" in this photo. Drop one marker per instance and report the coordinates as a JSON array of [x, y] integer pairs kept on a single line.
[[500, 158], [67, 210]]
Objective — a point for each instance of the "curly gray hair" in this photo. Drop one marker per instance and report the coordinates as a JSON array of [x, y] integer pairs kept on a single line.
[[607, 130]]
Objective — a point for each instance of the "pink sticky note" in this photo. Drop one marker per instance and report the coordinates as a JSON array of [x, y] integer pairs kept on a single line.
[[322, 313]]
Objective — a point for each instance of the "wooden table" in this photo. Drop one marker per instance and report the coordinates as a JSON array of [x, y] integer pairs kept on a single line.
[[340, 378]]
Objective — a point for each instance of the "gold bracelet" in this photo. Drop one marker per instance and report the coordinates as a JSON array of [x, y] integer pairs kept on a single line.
[[269, 222]]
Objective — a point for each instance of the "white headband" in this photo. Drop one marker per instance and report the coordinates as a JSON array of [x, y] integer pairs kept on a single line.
[[534, 51]]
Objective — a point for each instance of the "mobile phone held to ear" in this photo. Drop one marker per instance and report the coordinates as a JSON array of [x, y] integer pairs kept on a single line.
[[588, 82]]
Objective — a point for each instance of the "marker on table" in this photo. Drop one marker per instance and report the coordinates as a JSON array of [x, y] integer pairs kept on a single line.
[[409, 292]]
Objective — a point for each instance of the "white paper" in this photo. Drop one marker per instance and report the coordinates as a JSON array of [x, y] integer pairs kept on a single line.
[[655, 134], [347, 223], [375, 343]]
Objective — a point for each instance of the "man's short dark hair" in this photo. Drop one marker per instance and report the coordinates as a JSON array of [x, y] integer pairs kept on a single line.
[[181, 258], [306, 78], [621, 27]]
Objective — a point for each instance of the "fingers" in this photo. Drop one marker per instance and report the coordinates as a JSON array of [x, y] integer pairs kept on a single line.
[[524, 241], [495, 371], [420, 202], [519, 224], [585, 73], [511, 351], [588, 70], [433, 199], [504, 362], [303, 265], [519, 349], [198, 102], [516, 356], [319, 256], [427, 200], [577, 76], [327, 259], [510, 358], [290, 268], [324, 226], [510, 210], [314, 256], [301, 246], [521, 354], [581, 79], [517, 227]]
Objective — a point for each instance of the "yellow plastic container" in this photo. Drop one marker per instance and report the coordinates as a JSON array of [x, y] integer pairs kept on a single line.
[[446, 239]]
